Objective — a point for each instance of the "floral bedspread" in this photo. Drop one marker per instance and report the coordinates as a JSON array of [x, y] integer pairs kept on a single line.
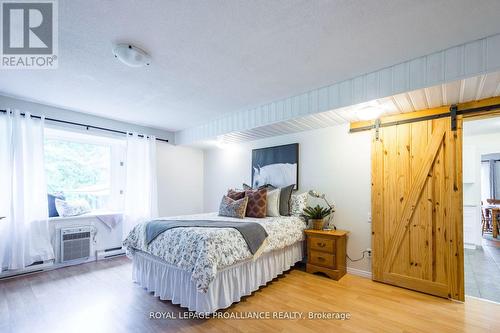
[[204, 251]]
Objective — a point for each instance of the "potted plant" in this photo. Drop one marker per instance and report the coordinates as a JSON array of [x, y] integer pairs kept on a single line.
[[317, 215]]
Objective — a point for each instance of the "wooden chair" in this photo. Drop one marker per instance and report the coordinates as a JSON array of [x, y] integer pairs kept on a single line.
[[485, 220]]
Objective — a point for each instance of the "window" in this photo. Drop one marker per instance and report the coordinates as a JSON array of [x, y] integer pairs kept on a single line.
[[85, 167], [485, 181], [490, 176]]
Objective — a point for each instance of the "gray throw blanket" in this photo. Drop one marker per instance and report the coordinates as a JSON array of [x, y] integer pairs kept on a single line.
[[253, 233]]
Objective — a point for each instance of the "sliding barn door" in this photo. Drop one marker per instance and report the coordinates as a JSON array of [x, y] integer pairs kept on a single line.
[[417, 207]]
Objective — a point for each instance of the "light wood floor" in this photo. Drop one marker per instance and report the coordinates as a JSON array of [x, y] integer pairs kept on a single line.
[[100, 297]]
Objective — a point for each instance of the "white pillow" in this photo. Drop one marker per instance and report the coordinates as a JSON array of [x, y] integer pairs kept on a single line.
[[72, 208], [297, 203], [273, 203]]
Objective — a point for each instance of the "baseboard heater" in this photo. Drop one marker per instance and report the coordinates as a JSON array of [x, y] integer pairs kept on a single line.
[[36, 267], [109, 253]]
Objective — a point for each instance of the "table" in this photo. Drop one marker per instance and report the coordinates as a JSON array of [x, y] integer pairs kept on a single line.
[[326, 252]]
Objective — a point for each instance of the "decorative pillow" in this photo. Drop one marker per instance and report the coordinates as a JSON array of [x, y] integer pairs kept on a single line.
[[257, 203], [233, 208], [51, 200], [235, 194], [72, 208], [285, 195], [297, 203], [273, 203]]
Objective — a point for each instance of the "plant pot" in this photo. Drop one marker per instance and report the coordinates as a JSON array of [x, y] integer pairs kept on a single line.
[[317, 224]]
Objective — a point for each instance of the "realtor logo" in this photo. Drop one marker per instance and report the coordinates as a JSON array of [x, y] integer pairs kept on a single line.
[[29, 34]]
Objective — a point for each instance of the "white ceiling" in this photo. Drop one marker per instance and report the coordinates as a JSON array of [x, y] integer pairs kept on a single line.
[[215, 57], [466, 90]]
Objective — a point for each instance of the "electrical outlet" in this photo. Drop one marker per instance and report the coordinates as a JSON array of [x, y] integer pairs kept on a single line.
[[369, 252]]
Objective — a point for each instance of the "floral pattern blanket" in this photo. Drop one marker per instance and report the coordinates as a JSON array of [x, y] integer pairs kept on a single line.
[[204, 251]]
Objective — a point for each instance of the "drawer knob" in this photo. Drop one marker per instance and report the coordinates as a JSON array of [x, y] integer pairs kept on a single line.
[[321, 259], [321, 244]]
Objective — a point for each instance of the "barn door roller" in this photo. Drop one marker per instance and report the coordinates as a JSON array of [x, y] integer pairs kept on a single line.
[[377, 129], [453, 115]]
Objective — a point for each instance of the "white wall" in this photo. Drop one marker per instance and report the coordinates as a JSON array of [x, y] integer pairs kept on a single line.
[[331, 161], [180, 180]]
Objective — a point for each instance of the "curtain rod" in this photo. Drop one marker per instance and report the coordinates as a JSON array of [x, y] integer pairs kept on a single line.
[[84, 125]]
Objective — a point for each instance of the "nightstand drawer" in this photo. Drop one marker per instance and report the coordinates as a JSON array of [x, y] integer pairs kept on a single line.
[[322, 244], [322, 259]]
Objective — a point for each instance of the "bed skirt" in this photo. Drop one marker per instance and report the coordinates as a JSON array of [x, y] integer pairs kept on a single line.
[[231, 283]]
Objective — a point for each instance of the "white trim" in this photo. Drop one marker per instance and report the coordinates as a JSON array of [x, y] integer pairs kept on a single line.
[[481, 299], [359, 272]]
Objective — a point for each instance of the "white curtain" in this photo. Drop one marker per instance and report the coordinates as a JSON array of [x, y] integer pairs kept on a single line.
[[24, 234], [141, 199]]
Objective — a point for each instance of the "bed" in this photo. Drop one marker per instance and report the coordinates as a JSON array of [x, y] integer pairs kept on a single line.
[[207, 269]]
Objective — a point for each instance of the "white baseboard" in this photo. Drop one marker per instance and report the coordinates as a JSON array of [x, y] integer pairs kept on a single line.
[[359, 272], [51, 265], [28, 270], [481, 299]]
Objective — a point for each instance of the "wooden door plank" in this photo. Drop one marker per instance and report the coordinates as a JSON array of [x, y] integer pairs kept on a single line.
[[439, 252], [401, 264], [377, 207], [389, 185], [427, 222], [414, 195], [456, 212], [419, 242]]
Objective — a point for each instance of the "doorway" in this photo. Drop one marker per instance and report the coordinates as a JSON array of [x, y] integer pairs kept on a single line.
[[481, 191]]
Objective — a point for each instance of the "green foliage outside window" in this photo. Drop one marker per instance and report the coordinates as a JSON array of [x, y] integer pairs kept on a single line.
[[78, 170]]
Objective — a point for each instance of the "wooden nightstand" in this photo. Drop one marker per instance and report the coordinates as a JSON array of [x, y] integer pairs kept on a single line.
[[326, 252]]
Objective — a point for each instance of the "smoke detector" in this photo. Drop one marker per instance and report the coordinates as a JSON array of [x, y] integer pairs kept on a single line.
[[131, 55]]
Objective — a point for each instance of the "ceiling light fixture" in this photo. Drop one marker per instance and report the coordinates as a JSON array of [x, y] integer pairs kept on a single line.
[[369, 111], [131, 56]]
